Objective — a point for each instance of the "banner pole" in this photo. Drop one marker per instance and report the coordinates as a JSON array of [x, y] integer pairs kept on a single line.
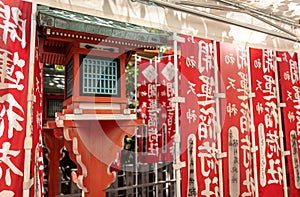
[[298, 63], [28, 139], [281, 135], [177, 130], [136, 60], [218, 127], [252, 127], [156, 61]]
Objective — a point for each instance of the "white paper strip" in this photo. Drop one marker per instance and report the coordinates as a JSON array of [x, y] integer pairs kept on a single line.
[[192, 190], [233, 159], [295, 158], [262, 152]]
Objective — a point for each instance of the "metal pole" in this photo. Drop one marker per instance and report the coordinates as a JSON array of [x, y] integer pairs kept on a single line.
[[30, 99], [298, 57], [281, 135], [223, 20], [259, 12], [246, 10], [177, 132], [156, 60], [136, 161], [136, 60], [218, 127], [137, 130], [252, 127]]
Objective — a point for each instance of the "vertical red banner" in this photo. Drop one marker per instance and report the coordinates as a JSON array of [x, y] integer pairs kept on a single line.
[[147, 92], [290, 95], [37, 165], [15, 29], [236, 136], [198, 118], [166, 107], [265, 112]]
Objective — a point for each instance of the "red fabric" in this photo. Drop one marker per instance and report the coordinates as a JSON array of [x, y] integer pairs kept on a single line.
[[37, 165], [236, 138], [15, 24], [147, 91], [290, 87], [165, 92], [266, 123], [198, 118]]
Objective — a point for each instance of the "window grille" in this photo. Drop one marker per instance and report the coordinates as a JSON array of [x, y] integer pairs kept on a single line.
[[69, 84], [100, 76], [153, 180], [53, 106]]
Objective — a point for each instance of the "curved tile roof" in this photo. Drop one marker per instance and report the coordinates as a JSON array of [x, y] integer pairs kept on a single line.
[[63, 19]]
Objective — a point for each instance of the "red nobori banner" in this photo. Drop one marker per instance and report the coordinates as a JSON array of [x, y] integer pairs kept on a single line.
[[236, 136], [290, 95], [37, 165], [147, 94], [165, 92], [265, 113], [198, 118], [15, 24]]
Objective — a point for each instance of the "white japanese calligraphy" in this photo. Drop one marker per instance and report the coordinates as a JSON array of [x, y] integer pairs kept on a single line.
[[10, 110], [12, 24], [11, 73], [6, 159], [206, 56]]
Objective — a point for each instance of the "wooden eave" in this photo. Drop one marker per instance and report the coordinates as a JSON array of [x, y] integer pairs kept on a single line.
[[60, 29]]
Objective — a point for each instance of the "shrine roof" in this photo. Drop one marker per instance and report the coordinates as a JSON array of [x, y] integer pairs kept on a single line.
[[62, 19]]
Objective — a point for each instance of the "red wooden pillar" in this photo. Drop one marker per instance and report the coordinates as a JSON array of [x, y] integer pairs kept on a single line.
[[54, 145]]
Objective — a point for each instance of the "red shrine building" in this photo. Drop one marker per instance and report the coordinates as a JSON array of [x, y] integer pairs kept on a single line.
[[95, 114], [149, 98]]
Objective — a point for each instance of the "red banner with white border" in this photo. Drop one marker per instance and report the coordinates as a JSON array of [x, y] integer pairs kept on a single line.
[[165, 92], [236, 136], [265, 112], [290, 95], [198, 118], [37, 164], [15, 29], [147, 94]]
